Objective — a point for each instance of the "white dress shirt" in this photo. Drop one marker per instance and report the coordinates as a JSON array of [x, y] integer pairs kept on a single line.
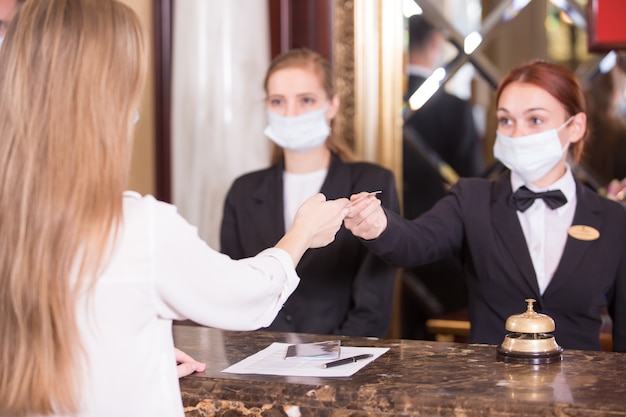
[[545, 229], [418, 70], [297, 188], [161, 271]]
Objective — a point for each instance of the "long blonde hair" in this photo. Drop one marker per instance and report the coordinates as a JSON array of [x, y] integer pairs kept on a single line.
[[308, 59], [71, 74]]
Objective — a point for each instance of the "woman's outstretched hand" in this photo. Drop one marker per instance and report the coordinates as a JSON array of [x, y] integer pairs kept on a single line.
[[316, 223], [323, 218], [366, 218]]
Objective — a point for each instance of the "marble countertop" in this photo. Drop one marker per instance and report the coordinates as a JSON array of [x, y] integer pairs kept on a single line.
[[414, 378]]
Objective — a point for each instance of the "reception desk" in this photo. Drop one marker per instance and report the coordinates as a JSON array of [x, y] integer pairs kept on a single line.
[[414, 378]]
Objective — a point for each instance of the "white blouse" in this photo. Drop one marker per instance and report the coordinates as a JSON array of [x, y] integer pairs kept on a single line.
[[161, 271], [297, 188], [545, 229]]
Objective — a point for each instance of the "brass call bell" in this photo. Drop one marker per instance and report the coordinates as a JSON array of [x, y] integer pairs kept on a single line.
[[531, 341]]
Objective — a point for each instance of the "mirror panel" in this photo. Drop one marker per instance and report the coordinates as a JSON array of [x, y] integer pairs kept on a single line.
[[485, 38]]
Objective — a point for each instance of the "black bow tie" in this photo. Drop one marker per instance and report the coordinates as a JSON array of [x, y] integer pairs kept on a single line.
[[524, 198]]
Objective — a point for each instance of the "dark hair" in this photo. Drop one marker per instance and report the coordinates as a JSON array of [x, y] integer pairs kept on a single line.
[[421, 31], [556, 80]]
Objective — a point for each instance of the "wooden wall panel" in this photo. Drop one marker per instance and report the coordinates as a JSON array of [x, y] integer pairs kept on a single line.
[[301, 23], [162, 22]]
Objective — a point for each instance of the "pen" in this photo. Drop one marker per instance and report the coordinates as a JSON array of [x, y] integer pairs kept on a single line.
[[346, 361]]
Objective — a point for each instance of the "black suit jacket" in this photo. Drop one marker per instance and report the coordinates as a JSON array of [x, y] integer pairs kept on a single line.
[[344, 289], [477, 220], [446, 124]]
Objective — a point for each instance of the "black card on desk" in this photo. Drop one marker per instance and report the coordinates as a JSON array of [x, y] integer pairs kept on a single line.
[[328, 349]]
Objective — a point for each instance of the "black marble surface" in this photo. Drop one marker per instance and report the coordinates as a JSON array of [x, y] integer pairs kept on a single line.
[[414, 378]]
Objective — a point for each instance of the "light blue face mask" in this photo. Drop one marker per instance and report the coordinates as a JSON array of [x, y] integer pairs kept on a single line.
[[531, 156], [298, 133]]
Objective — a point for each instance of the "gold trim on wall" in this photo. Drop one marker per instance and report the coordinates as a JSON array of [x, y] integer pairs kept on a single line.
[[368, 53], [366, 78], [343, 51], [390, 90]]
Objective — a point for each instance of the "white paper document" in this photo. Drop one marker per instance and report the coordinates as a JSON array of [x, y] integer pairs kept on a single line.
[[271, 361]]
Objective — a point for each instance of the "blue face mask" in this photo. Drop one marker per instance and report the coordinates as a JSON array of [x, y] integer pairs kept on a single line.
[[531, 156], [298, 133]]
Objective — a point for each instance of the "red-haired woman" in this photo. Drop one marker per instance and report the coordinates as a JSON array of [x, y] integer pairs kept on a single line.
[[533, 233]]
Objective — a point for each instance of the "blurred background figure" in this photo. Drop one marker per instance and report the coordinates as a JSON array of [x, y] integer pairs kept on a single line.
[[442, 130], [605, 154], [344, 289], [444, 124]]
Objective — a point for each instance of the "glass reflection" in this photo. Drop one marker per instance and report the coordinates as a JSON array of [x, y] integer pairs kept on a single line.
[[484, 39]]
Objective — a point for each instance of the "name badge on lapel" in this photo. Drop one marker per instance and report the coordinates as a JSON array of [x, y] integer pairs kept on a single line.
[[581, 232]]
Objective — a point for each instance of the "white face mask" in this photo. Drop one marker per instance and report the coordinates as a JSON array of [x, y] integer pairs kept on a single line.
[[531, 156], [298, 133], [1, 40]]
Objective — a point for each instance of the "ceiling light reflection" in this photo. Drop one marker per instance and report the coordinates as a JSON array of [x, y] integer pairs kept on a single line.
[[410, 8], [514, 9], [608, 62], [427, 89], [471, 42]]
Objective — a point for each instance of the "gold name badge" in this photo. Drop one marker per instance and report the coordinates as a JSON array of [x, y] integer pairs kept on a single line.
[[581, 232]]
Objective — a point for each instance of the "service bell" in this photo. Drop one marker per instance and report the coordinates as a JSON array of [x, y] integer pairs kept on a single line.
[[531, 341]]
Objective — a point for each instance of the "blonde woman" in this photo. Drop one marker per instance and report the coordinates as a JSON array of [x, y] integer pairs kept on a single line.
[[91, 277], [344, 289]]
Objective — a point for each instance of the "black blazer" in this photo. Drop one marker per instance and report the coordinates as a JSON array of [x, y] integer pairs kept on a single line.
[[477, 221], [446, 124], [344, 289]]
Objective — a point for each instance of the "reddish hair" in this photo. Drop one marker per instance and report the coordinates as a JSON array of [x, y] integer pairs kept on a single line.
[[557, 81]]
